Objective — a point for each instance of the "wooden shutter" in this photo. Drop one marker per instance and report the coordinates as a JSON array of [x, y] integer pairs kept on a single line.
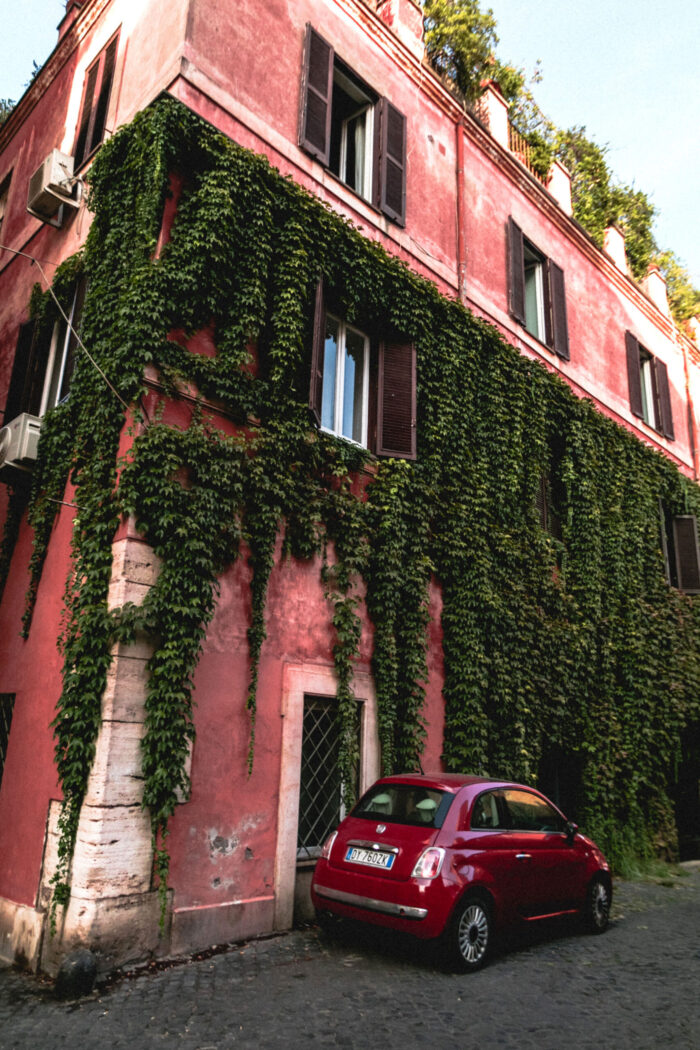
[[541, 501], [28, 371], [396, 401], [319, 335], [517, 271], [93, 111], [560, 332], [316, 96], [392, 162], [685, 535], [634, 375], [664, 395]]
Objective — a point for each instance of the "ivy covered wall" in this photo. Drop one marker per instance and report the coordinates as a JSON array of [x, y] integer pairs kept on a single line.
[[566, 641]]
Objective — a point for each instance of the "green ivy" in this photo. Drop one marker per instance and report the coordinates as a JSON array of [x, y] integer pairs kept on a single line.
[[575, 642]]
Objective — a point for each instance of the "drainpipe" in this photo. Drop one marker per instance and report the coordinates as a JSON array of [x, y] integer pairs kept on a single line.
[[461, 250]]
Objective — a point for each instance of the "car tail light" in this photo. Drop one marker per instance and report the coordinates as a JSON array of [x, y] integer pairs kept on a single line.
[[429, 863], [328, 845]]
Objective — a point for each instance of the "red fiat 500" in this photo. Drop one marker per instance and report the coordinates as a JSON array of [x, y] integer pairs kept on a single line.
[[456, 857]]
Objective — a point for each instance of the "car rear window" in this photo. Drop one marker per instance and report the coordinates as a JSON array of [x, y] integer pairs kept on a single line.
[[404, 804]]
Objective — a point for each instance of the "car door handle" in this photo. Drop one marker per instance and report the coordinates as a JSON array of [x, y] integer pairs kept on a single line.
[[523, 856]]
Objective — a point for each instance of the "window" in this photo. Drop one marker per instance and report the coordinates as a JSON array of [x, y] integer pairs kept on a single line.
[[528, 812], [679, 544], [487, 812], [7, 702], [320, 791], [353, 132], [4, 194], [44, 361], [345, 384], [650, 396], [537, 295], [93, 109], [404, 804], [367, 397]]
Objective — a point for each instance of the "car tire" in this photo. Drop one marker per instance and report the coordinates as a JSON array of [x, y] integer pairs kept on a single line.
[[468, 938], [596, 910]]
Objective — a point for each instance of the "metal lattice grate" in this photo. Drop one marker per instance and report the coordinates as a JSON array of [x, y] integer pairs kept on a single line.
[[7, 702], [320, 788]]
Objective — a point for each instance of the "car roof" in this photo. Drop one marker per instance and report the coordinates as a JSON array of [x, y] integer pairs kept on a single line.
[[445, 781]]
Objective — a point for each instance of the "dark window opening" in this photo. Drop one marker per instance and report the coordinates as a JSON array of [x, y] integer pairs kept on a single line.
[[321, 789], [7, 703], [681, 553], [4, 194], [93, 109], [560, 778], [44, 362]]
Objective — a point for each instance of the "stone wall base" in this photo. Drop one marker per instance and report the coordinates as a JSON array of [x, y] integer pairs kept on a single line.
[[201, 927], [21, 928], [120, 931]]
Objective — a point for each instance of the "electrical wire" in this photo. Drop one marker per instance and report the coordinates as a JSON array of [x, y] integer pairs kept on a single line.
[[79, 341]]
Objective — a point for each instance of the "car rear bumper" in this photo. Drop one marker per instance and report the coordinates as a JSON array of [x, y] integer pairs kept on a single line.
[[356, 900], [418, 906]]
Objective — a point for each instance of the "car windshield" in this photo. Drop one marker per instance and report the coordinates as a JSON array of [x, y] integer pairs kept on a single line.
[[404, 804]]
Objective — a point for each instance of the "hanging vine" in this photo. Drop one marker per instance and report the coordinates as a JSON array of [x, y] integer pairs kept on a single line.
[[573, 640]]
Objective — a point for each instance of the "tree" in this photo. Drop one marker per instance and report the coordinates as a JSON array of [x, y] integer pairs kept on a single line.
[[683, 297], [6, 107], [459, 40]]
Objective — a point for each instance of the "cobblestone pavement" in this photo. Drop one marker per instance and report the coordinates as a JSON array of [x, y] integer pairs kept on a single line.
[[636, 987]]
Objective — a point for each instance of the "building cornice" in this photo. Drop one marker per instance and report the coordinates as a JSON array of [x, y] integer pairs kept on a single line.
[[77, 32]]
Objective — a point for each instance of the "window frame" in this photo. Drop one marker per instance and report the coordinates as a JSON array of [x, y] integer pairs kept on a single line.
[[550, 299], [384, 178], [341, 359], [4, 197], [392, 386], [649, 391], [94, 103]]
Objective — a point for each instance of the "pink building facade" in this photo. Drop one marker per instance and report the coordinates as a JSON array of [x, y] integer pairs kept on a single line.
[[338, 96]]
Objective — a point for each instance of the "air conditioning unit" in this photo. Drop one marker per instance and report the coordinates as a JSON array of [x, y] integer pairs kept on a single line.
[[19, 441], [51, 187]]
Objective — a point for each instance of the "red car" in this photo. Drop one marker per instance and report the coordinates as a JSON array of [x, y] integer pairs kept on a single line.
[[457, 857]]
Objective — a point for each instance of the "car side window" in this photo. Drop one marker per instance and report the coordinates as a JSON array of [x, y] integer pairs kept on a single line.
[[485, 812], [528, 812]]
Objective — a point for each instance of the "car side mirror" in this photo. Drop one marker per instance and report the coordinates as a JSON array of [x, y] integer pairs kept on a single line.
[[571, 830]]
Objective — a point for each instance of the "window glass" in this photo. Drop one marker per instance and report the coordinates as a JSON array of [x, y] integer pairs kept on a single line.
[[527, 812], [351, 133], [485, 813], [345, 381], [648, 399], [534, 292], [404, 804], [330, 357]]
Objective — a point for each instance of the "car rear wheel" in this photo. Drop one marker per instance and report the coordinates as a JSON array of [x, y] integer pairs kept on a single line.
[[470, 933], [596, 912]]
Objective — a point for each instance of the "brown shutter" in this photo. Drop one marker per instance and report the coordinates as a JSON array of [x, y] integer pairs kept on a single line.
[[28, 371], [396, 401], [634, 375], [319, 335], [560, 332], [541, 501], [517, 271], [392, 184], [316, 96], [80, 150], [685, 535], [664, 395], [105, 90]]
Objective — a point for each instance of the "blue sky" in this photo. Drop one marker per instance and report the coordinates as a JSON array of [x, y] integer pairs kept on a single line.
[[627, 70]]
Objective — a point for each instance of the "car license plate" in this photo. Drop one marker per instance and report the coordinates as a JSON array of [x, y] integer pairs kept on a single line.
[[369, 856]]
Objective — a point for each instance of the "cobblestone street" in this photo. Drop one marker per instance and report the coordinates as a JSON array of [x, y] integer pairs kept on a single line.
[[638, 986]]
